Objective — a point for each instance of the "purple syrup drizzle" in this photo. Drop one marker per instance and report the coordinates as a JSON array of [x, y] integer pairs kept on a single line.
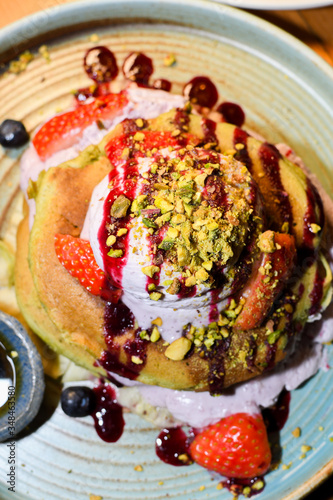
[[310, 217], [215, 191], [138, 68], [100, 64], [269, 157], [186, 292], [276, 416], [317, 291], [232, 113], [236, 486], [162, 84], [172, 444], [209, 128], [107, 414], [181, 119], [118, 319], [202, 91], [213, 311], [242, 155]]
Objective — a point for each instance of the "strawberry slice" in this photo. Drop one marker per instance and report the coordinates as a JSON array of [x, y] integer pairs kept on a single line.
[[149, 140], [266, 283], [77, 257], [63, 130], [236, 447]]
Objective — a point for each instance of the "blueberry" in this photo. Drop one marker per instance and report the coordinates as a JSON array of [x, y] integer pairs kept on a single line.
[[13, 134], [78, 401]]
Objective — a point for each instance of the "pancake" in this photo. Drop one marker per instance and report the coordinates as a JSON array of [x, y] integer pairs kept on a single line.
[[73, 321]]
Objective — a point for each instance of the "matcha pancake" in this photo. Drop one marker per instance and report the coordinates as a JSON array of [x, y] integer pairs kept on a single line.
[[173, 254]]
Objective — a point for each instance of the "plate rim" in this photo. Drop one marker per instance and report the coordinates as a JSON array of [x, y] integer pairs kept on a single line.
[[58, 13], [277, 5]]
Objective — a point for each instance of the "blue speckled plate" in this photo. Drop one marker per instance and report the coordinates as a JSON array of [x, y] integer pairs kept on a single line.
[[286, 91]]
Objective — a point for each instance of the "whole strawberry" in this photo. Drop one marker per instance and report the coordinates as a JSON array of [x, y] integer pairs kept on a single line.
[[236, 447]]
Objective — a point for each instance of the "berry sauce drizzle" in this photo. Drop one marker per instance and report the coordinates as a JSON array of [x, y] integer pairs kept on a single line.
[[276, 416], [317, 292], [138, 68], [162, 84], [214, 312], [107, 414], [232, 113], [100, 64], [269, 157], [172, 447], [239, 486], [208, 128], [201, 91], [216, 366], [242, 155], [310, 217], [118, 319]]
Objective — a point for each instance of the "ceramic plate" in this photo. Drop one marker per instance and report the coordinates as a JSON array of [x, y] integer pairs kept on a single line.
[[286, 92], [277, 4]]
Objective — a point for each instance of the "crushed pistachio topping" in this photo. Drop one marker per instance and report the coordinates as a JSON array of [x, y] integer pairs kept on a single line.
[[201, 204], [136, 360], [120, 206], [111, 240], [150, 270], [258, 485], [178, 349], [296, 432], [169, 60], [155, 296], [122, 231], [44, 52], [315, 228], [266, 242], [155, 335], [115, 253], [20, 65]]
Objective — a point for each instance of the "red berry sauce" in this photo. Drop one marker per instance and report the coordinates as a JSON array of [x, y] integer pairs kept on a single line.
[[161, 84], [138, 67], [100, 64], [276, 416], [172, 446], [201, 91], [232, 113], [118, 319], [269, 157], [108, 414], [81, 95], [237, 486]]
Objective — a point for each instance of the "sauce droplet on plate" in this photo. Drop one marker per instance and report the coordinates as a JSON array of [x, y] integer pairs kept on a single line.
[[202, 91]]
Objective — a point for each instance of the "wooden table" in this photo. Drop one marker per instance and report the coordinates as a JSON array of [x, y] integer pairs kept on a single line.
[[314, 27]]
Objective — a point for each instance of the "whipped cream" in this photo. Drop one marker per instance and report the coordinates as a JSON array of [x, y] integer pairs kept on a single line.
[[199, 409], [175, 310]]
